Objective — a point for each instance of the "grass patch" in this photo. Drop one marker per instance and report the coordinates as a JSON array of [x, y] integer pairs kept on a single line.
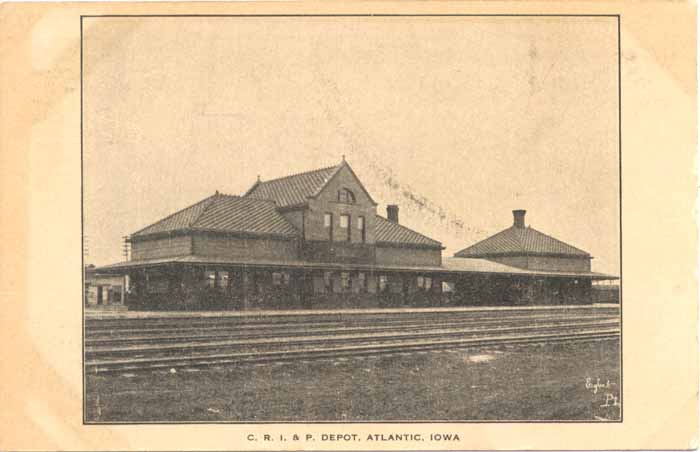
[[533, 382]]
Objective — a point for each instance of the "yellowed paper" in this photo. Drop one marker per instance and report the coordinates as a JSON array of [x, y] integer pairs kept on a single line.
[[115, 116]]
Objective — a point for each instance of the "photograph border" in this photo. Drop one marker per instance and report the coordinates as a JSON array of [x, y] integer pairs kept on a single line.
[[82, 222]]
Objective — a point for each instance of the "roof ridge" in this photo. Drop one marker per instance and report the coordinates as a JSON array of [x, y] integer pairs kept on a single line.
[[247, 198], [412, 230], [201, 214], [208, 198], [330, 177], [302, 173]]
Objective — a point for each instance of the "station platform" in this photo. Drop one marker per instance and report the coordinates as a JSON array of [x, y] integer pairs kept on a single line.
[[99, 314]]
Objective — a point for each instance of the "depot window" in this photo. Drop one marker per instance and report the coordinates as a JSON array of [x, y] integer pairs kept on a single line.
[[345, 280], [424, 282], [383, 282], [362, 281], [328, 224], [280, 278], [346, 196], [223, 279], [345, 224], [210, 278], [361, 227]]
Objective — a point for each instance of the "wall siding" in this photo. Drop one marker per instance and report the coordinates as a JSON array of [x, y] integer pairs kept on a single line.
[[245, 248], [545, 262], [558, 263], [163, 247], [513, 261], [408, 256]]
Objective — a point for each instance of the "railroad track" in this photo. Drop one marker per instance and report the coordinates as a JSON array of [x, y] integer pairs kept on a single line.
[[159, 363], [118, 345], [311, 329]]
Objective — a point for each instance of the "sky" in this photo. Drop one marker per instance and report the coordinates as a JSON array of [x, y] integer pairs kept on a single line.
[[457, 120]]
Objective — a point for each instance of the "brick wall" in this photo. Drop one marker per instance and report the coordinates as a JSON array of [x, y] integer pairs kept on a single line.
[[558, 263], [408, 256], [245, 248], [163, 247], [327, 202], [552, 263]]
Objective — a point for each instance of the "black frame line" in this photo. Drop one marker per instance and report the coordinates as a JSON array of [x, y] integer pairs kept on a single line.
[[82, 224]]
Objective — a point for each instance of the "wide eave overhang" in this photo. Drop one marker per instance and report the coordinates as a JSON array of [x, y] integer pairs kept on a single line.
[[449, 266]]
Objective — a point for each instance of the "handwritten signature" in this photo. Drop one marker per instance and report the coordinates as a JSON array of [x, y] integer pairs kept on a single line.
[[596, 385]]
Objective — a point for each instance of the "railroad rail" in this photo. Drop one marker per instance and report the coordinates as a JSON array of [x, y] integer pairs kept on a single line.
[[152, 343]]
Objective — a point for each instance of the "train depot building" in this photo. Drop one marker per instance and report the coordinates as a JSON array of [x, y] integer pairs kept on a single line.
[[315, 240]]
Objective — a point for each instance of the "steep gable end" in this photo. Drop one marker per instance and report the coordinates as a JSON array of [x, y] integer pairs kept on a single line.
[[343, 177]]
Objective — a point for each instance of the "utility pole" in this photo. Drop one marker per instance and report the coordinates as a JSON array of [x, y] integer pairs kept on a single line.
[[125, 247], [85, 248]]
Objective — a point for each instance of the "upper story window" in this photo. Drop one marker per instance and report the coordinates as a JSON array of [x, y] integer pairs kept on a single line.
[[345, 224], [328, 224], [361, 227], [346, 196]]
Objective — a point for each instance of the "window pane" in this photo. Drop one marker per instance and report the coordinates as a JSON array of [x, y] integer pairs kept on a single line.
[[345, 280], [448, 286], [223, 279], [360, 223], [420, 282], [382, 282], [327, 219], [344, 219], [210, 277]]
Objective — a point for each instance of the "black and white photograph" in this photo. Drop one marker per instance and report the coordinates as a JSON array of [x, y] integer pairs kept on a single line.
[[351, 219]]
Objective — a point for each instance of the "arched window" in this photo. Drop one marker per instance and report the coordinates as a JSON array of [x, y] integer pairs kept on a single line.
[[346, 196]]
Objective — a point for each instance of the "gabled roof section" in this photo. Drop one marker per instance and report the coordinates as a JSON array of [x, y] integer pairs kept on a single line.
[[182, 219], [296, 189], [388, 232], [226, 213], [292, 190], [521, 240]]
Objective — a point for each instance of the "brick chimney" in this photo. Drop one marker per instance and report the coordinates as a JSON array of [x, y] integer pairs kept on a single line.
[[519, 218], [392, 213]]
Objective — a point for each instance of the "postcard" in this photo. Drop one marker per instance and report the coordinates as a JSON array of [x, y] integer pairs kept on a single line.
[[349, 226]]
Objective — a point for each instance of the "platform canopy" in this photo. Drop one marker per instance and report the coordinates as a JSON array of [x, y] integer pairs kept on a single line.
[[449, 265]]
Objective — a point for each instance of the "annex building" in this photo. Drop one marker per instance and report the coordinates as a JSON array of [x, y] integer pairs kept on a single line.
[[316, 240]]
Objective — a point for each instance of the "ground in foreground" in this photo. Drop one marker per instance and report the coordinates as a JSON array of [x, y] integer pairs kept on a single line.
[[533, 382]]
